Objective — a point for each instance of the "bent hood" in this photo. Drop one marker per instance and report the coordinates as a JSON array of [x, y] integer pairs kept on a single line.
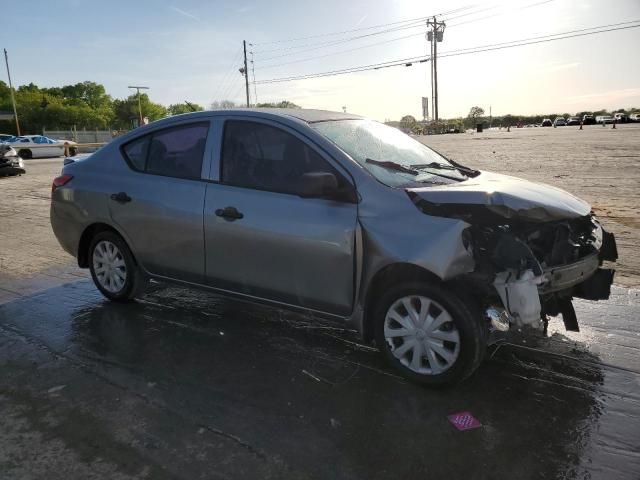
[[501, 195]]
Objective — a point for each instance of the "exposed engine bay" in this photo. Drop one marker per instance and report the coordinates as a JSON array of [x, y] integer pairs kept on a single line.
[[529, 267]]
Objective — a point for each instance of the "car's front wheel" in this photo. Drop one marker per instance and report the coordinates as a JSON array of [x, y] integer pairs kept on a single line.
[[431, 335], [113, 269]]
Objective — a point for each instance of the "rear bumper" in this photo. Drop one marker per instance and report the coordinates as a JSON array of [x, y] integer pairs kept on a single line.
[[67, 231]]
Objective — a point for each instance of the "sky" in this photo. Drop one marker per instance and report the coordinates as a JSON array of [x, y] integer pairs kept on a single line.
[[192, 50]]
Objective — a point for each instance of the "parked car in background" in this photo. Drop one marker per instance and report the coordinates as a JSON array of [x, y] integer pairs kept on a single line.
[[10, 163], [635, 117], [620, 117], [604, 119], [573, 121], [546, 123], [588, 119], [337, 215], [559, 122], [5, 137], [39, 146]]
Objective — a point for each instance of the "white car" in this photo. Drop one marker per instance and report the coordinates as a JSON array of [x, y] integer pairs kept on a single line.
[[34, 146], [604, 119]]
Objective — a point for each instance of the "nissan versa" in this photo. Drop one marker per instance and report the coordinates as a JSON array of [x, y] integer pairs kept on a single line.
[[337, 215]]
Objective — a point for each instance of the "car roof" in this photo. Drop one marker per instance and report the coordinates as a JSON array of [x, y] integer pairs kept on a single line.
[[304, 114]]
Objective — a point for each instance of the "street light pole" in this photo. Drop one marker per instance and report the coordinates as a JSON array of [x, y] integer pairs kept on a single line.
[[140, 120], [13, 98]]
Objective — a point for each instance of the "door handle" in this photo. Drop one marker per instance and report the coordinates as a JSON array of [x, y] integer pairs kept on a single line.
[[229, 213], [120, 197]]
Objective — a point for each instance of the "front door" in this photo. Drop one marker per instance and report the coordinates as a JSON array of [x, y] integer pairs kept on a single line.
[[158, 201], [262, 239]]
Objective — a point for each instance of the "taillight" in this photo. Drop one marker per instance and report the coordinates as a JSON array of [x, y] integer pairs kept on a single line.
[[60, 181]]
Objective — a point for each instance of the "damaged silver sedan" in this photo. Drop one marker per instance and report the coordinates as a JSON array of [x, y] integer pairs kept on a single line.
[[339, 216]]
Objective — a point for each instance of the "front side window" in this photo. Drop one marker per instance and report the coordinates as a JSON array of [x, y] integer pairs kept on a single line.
[[173, 152], [259, 156]]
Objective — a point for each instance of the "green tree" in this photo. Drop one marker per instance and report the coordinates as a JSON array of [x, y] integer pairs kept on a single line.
[[282, 104], [474, 116], [127, 110], [222, 104], [178, 108], [407, 122]]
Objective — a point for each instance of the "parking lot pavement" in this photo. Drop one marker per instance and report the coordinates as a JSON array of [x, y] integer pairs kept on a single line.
[[186, 384], [30, 257]]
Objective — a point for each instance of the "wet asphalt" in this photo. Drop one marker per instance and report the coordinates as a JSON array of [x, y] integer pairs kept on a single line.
[[187, 384]]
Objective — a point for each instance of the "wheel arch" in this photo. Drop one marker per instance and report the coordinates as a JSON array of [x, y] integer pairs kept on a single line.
[[388, 275], [88, 234], [27, 151]]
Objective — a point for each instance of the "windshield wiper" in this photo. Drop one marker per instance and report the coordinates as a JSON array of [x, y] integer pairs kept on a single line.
[[445, 166], [392, 166]]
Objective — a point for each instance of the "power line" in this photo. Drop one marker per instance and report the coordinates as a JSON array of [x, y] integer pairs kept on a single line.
[[523, 7], [316, 46], [484, 48], [412, 23], [226, 77], [372, 27], [347, 51], [391, 63]]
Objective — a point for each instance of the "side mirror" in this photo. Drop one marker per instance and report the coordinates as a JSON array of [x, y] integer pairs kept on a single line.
[[318, 184]]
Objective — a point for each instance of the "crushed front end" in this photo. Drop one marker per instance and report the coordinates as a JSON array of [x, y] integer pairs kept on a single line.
[[529, 265], [536, 269]]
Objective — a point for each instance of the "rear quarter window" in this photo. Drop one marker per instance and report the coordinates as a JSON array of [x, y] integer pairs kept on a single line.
[[136, 152]]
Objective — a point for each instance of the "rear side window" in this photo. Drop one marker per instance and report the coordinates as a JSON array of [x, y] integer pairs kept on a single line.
[[173, 152]]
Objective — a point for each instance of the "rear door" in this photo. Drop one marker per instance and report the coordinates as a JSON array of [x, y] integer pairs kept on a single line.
[[279, 246], [158, 202]]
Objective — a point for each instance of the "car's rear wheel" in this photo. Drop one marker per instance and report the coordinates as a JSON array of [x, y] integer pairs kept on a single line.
[[431, 335], [113, 268], [25, 153]]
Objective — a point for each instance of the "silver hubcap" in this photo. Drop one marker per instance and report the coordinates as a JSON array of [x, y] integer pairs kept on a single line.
[[109, 266], [422, 335]]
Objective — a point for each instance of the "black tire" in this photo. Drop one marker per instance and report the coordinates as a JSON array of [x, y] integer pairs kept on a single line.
[[466, 318], [25, 154], [134, 282]]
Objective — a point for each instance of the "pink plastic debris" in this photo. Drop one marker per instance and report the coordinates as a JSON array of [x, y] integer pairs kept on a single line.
[[464, 421]]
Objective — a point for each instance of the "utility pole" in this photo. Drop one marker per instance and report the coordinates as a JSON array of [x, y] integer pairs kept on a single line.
[[13, 98], [435, 35], [140, 118], [246, 72]]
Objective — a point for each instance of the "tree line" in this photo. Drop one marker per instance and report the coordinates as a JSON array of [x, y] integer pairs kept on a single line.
[[86, 105], [477, 115]]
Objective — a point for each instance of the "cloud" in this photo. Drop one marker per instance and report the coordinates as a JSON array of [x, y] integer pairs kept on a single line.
[[185, 14]]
